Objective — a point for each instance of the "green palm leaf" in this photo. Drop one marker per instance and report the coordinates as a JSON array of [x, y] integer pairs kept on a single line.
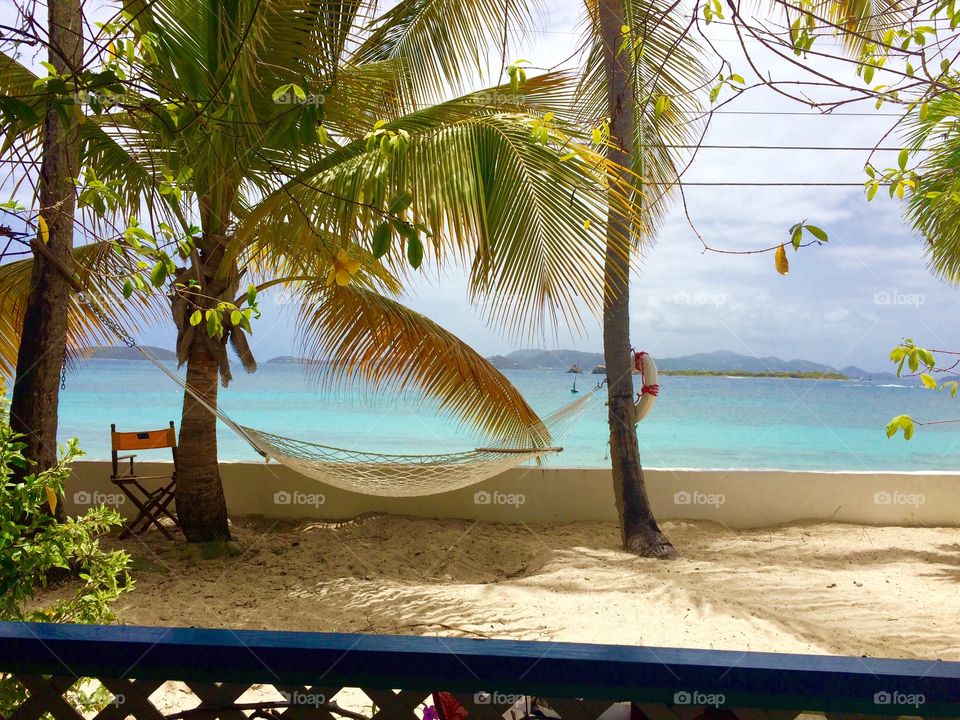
[[494, 198], [671, 65], [933, 208], [443, 43]]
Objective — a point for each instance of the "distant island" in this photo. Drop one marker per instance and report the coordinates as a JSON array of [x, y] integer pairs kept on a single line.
[[721, 363], [718, 363], [122, 352], [811, 375], [125, 353], [293, 360]]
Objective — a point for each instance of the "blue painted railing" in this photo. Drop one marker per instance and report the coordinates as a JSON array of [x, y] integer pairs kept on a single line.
[[672, 679]]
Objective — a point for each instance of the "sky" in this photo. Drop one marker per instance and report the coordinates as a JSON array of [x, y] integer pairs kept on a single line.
[[846, 302]]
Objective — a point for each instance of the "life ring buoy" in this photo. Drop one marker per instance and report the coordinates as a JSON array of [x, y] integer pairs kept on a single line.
[[649, 389]]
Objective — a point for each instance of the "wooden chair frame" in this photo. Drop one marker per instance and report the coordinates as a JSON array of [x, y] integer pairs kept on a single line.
[[154, 504]]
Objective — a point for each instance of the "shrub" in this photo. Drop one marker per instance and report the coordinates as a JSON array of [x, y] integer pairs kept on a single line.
[[36, 551]]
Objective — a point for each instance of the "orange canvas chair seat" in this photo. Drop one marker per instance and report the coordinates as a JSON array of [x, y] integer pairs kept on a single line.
[[152, 503]]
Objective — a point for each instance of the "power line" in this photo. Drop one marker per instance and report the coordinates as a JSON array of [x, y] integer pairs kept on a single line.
[[805, 113], [761, 184], [781, 147]]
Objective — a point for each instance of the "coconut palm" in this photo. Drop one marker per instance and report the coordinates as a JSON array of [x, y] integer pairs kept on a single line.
[[33, 410], [643, 72], [618, 96], [932, 207], [305, 152]]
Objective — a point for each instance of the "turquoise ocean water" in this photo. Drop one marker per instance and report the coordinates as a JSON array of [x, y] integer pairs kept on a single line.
[[703, 422]]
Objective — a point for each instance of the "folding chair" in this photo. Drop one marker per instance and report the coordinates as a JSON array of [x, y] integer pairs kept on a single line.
[[151, 504]]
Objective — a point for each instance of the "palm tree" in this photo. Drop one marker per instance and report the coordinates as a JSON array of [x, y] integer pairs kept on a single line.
[[33, 409], [305, 168], [619, 97], [642, 74], [932, 207]]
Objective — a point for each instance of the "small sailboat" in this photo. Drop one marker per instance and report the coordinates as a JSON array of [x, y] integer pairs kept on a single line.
[[574, 388]]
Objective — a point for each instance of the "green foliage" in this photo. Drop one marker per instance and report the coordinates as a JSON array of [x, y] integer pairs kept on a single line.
[[390, 142], [36, 551], [712, 10], [155, 266], [517, 75], [796, 232], [802, 29], [933, 208], [901, 422], [733, 81], [898, 180], [382, 237], [908, 354], [541, 127]]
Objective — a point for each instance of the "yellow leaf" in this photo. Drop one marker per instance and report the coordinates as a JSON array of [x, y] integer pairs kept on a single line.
[[586, 224], [44, 230], [780, 260], [51, 499]]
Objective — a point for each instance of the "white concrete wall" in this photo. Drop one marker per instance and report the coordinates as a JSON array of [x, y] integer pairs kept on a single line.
[[736, 498]]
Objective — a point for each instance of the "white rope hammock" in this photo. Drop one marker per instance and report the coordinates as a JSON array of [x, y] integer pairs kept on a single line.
[[390, 475]]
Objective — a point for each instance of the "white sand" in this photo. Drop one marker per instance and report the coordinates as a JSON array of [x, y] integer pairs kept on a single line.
[[803, 588]]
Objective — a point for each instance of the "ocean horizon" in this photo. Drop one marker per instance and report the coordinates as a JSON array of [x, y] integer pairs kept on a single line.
[[697, 422]]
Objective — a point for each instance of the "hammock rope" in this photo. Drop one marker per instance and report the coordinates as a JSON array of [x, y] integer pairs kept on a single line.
[[385, 474]]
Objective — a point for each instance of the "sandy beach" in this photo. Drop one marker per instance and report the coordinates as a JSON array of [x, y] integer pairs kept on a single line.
[[802, 588]]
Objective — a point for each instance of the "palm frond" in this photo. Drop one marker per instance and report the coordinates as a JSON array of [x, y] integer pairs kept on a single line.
[[99, 268], [671, 65], [443, 43], [358, 334], [865, 21], [530, 228], [932, 208]]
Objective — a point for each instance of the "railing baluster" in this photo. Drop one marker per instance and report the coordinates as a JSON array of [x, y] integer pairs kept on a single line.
[[580, 682], [46, 696], [657, 711], [395, 706]]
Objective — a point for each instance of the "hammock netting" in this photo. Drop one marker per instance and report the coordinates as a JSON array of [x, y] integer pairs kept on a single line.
[[385, 474]]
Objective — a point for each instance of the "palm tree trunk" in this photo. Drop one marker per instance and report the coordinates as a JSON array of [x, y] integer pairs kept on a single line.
[[36, 391], [201, 507], [638, 528]]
